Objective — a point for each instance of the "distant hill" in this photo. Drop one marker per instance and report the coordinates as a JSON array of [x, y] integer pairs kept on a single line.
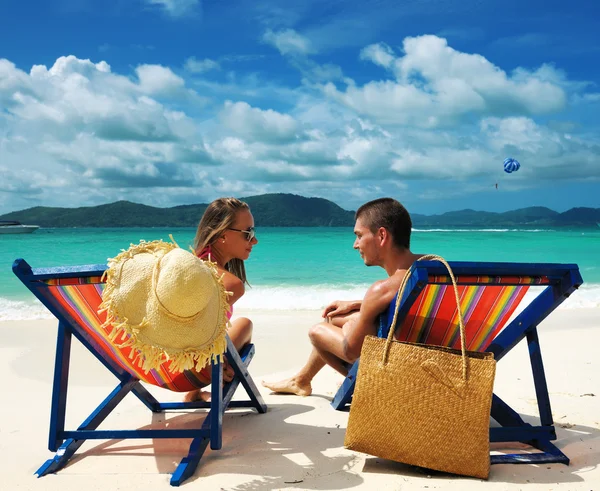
[[275, 210], [289, 210], [532, 217]]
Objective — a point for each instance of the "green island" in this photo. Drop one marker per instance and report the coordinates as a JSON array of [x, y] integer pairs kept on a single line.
[[290, 210]]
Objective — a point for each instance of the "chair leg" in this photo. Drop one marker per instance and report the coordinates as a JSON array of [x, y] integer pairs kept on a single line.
[[216, 412], [240, 368], [504, 414], [188, 465], [344, 394], [507, 417], [63, 454], [70, 446], [59, 387], [539, 378], [148, 399]]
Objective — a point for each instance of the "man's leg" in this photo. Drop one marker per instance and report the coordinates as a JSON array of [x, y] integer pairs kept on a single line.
[[324, 336], [328, 342]]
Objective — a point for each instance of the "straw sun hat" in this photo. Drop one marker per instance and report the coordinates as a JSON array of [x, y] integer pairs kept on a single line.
[[166, 304]]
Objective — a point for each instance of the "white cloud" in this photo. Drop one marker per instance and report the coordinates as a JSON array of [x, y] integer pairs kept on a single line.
[[156, 79], [288, 42], [176, 8], [11, 79], [435, 85], [200, 66], [380, 54], [520, 133], [80, 96], [79, 125], [260, 125]]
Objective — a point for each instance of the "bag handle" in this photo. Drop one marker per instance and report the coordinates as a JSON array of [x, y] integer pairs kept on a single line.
[[388, 343]]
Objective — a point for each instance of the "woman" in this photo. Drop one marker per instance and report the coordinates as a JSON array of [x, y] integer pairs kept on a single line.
[[226, 236]]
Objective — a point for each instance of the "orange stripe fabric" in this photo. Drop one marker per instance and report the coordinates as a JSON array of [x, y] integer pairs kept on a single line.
[[486, 308], [80, 301]]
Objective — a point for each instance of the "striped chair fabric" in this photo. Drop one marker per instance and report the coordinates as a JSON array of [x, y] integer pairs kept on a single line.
[[80, 299], [487, 303]]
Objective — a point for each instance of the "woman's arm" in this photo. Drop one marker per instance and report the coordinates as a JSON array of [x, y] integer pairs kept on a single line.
[[232, 284]]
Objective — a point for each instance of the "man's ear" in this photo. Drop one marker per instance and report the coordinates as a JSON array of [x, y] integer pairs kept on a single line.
[[383, 235]]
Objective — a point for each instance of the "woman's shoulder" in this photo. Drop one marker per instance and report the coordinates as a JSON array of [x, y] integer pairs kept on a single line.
[[232, 283]]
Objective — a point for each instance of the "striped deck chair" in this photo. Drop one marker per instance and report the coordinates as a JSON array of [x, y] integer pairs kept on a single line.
[[489, 293], [73, 295]]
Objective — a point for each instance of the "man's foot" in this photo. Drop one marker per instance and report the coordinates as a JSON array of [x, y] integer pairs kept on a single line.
[[197, 395], [289, 386]]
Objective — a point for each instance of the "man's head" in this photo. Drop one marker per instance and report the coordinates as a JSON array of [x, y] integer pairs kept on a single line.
[[380, 222]]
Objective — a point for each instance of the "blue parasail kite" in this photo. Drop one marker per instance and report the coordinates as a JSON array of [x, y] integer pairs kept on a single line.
[[511, 165]]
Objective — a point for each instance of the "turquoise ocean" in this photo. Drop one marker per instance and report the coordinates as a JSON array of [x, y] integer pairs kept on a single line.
[[300, 268]]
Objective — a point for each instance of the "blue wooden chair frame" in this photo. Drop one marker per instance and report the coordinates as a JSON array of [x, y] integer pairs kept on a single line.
[[66, 442], [564, 279]]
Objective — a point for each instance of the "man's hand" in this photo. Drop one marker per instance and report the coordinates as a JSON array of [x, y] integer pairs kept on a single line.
[[340, 307]]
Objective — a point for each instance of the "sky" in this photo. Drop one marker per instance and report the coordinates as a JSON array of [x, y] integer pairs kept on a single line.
[[172, 102]]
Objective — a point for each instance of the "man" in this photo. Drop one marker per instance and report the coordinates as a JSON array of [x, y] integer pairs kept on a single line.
[[382, 230]]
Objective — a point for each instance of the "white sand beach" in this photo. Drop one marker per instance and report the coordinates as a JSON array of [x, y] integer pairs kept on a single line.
[[298, 443]]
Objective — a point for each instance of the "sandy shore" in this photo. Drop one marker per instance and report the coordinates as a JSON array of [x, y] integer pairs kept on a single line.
[[298, 444]]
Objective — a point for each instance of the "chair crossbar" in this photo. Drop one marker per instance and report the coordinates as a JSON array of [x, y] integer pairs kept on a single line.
[[123, 434], [545, 457], [522, 434]]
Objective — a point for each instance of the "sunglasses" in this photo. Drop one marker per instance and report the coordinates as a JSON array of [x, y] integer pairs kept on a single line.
[[251, 233]]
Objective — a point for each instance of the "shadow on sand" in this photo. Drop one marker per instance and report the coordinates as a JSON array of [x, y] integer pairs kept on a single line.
[[277, 451], [280, 453]]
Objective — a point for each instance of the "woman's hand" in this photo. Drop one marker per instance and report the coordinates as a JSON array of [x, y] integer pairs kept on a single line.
[[341, 307]]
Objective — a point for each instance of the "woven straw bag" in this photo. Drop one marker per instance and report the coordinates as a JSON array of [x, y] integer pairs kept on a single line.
[[423, 405]]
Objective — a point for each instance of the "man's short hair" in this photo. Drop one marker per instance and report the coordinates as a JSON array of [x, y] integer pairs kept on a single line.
[[389, 214]]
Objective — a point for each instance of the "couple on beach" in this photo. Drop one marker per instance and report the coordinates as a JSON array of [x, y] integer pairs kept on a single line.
[[382, 227]]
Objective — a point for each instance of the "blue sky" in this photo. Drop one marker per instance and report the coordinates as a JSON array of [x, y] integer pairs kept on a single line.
[[169, 102]]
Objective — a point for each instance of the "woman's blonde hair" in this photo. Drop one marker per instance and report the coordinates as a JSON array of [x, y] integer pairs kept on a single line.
[[218, 217]]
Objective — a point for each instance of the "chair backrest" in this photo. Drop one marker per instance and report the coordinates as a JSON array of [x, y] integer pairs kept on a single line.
[[487, 302], [73, 296]]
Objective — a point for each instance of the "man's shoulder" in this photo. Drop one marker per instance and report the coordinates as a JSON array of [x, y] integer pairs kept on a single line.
[[389, 285], [394, 281], [381, 293]]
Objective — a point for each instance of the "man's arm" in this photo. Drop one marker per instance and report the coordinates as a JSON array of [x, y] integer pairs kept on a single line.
[[341, 307], [378, 297]]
